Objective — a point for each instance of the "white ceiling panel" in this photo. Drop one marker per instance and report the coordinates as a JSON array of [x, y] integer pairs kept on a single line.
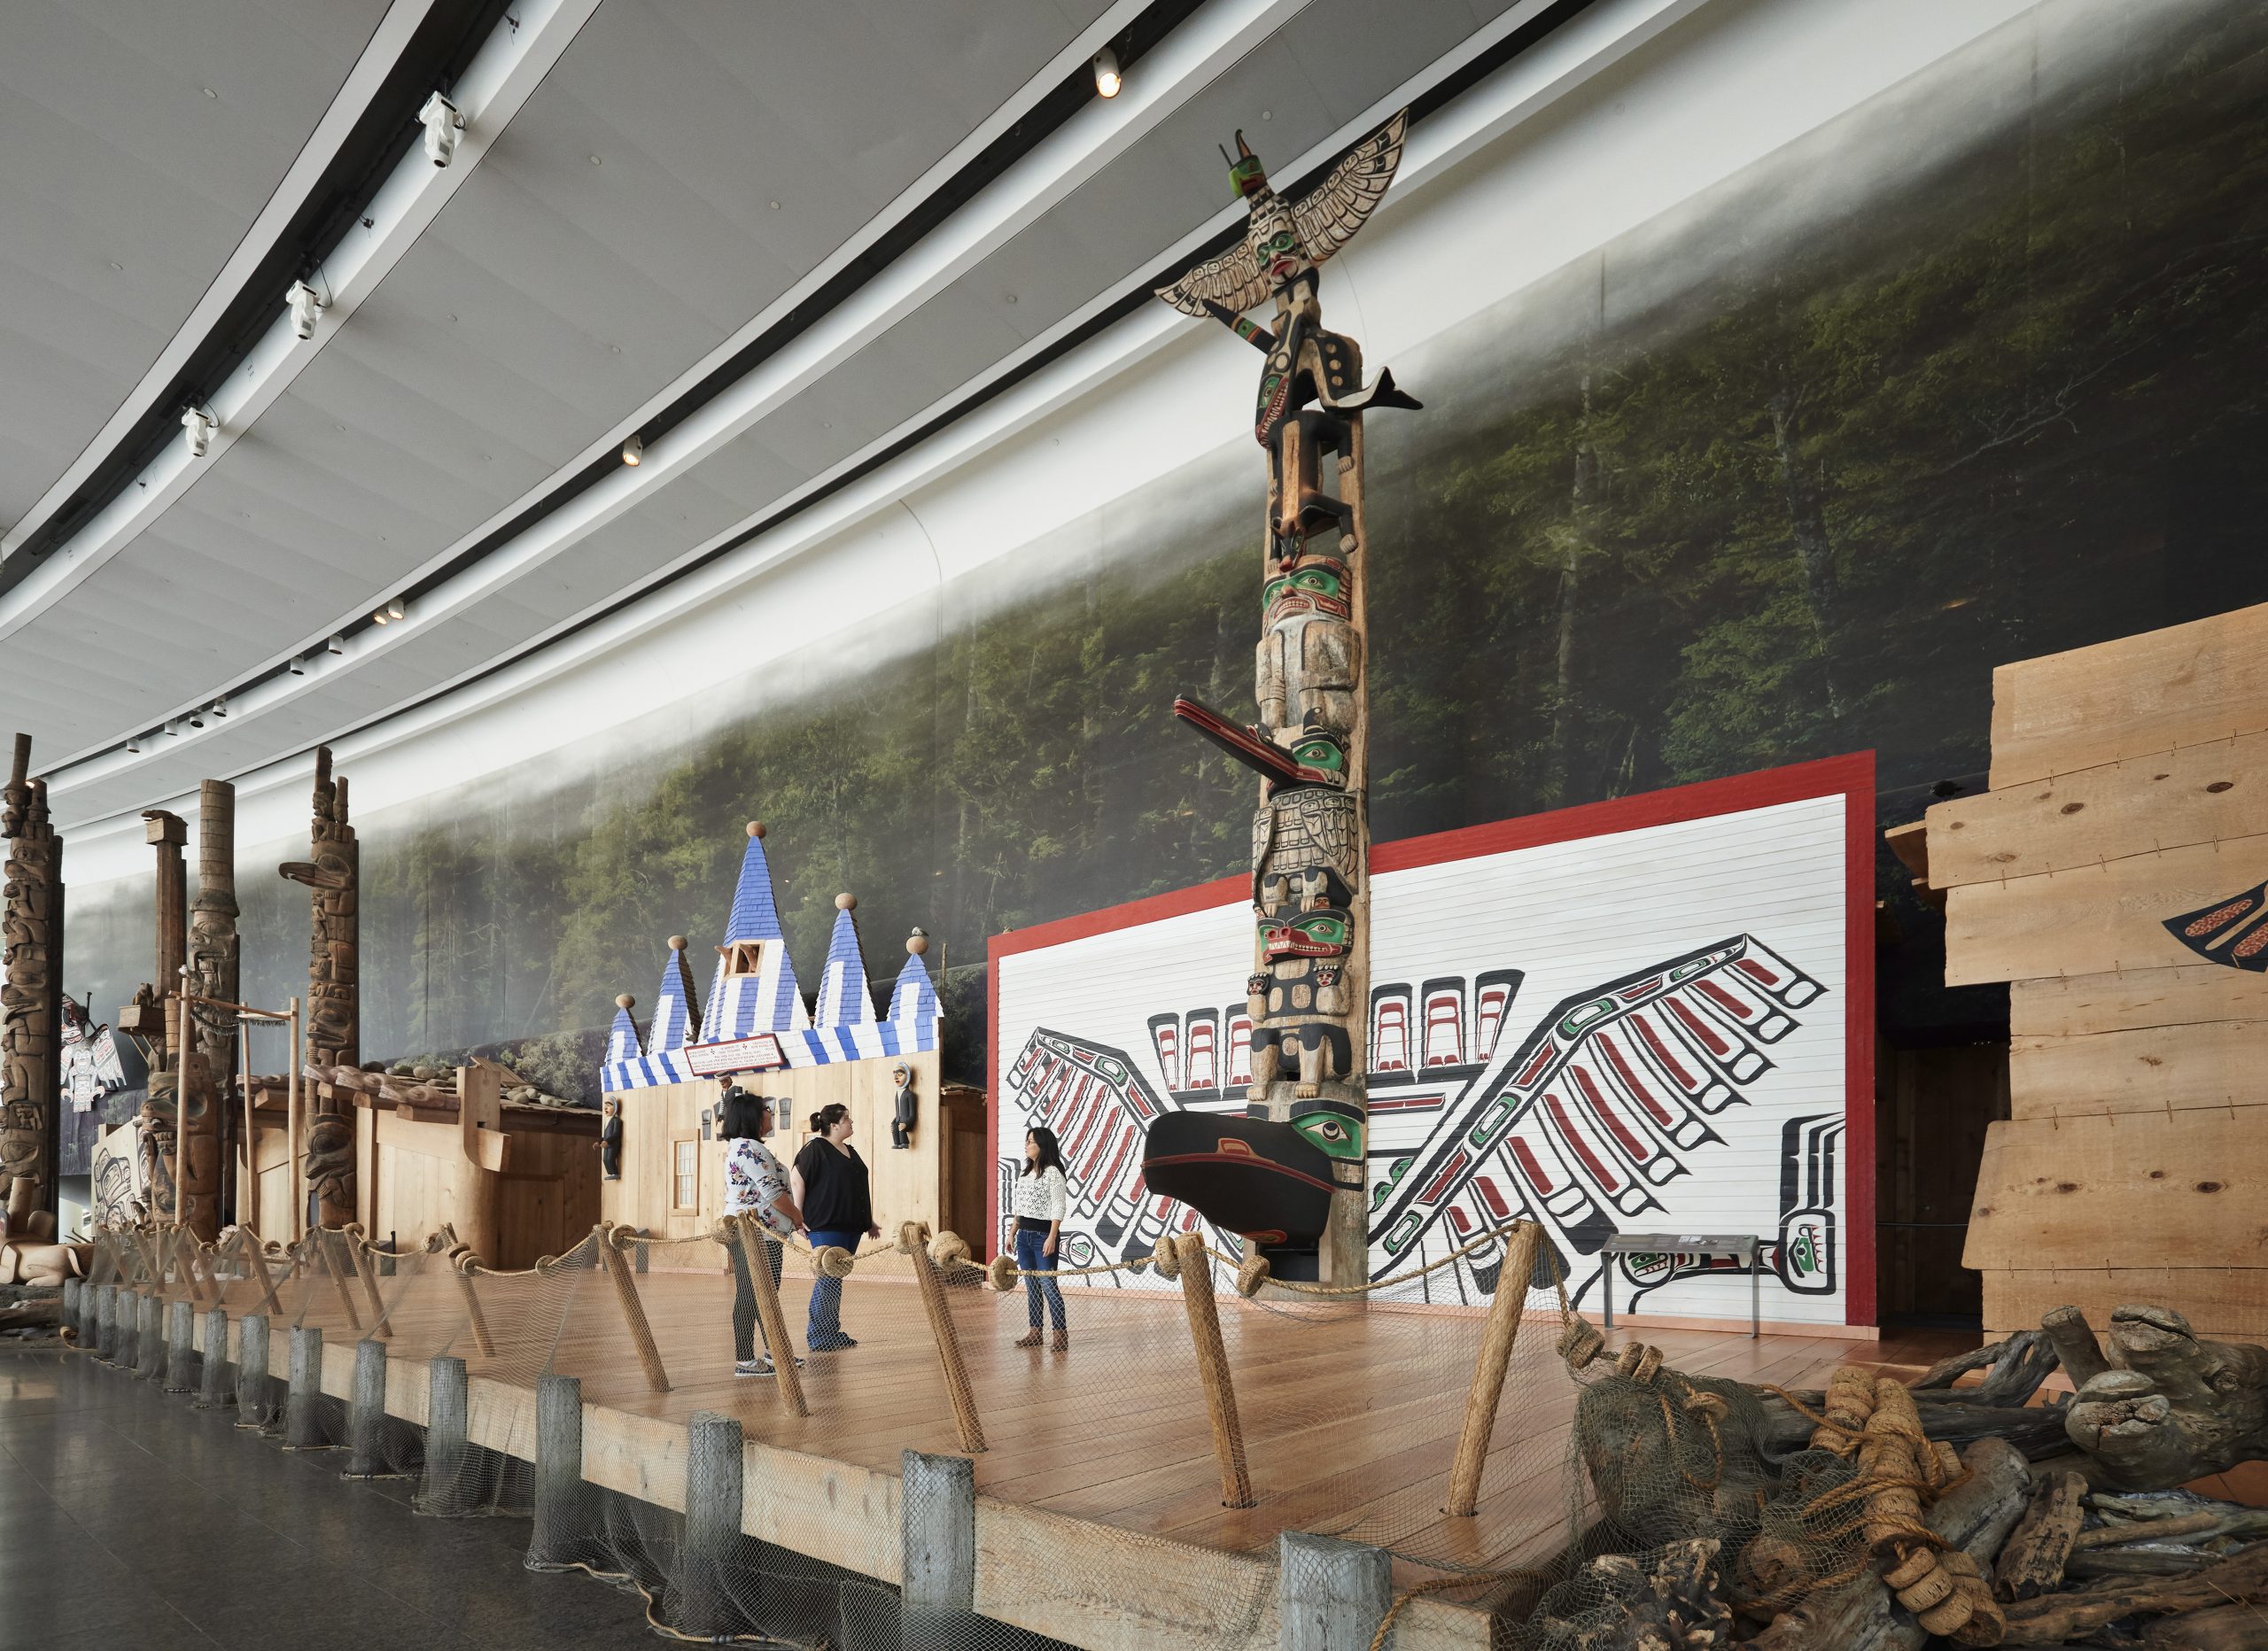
[[127, 186]]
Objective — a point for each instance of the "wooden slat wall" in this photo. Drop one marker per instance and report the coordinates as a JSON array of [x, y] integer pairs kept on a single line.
[[2126, 785]]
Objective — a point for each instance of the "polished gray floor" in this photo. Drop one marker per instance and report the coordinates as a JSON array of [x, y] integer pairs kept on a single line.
[[129, 1518]]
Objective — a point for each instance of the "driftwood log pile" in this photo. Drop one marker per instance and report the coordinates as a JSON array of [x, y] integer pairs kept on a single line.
[[1966, 1508]]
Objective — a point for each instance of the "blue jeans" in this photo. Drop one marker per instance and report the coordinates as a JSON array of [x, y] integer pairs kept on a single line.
[[1031, 1257], [824, 1328]]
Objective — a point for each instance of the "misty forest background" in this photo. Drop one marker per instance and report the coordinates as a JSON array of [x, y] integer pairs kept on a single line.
[[2010, 407]]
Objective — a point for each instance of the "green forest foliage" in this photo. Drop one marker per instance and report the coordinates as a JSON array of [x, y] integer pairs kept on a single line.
[[1801, 507]]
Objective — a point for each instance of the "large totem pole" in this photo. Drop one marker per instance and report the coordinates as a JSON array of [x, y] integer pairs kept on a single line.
[[206, 1066], [334, 1003], [1289, 1175], [162, 1113], [31, 999]]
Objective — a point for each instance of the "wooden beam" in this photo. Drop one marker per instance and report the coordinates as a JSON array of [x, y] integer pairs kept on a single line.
[[2094, 919], [2191, 994], [2224, 1303], [937, 1514], [2182, 685], [2159, 1069], [2167, 1189], [2144, 805]]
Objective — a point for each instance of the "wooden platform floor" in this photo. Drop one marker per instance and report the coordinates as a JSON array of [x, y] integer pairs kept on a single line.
[[1349, 1418]]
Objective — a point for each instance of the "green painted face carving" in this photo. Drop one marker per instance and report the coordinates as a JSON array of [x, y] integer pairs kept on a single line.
[[1323, 933], [1320, 751], [1335, 1127], [1318, 584]]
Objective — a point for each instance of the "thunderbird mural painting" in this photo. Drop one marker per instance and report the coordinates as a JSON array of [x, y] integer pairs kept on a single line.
[[1701, 1090]]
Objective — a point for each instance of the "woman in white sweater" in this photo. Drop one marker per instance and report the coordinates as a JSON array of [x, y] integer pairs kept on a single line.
[[1043, 1198]]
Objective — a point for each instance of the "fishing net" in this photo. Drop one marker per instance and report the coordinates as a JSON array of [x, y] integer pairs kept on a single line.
[[790, 1443]]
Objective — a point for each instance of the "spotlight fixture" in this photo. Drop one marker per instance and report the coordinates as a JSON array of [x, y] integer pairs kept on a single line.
[[134, 745], [442, 123], [220, 707], [306, 304], [198, 425], [1107, 79], [297, 666], [634, 453], [172, 728], [336, 644], [195, 719], [391, 612]]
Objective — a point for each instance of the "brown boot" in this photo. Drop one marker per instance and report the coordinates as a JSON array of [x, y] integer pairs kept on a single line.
[[1062, 1343], [1030, 1338]]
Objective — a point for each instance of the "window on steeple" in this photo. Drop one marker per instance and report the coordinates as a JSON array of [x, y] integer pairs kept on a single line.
[[744, 957]]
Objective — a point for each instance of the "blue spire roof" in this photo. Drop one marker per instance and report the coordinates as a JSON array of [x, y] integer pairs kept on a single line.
[[622, 1037], [677, 1012], [754, 916], [915, 998], [842, 1000]]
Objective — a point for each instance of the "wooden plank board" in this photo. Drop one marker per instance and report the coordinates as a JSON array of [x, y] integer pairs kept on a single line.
[[2189, 994], [2227, 1303], [2184, 685], [2150, 1189], [2092, 919], [2165, 800], [2152, 1069]]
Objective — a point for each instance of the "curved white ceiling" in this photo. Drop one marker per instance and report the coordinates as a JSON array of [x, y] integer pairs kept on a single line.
[[613, 244]]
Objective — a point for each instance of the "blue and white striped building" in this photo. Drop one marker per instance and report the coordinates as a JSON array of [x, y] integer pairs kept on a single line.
[[755, 1019]]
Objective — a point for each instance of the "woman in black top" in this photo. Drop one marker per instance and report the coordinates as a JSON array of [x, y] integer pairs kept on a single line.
[[830, 1189]]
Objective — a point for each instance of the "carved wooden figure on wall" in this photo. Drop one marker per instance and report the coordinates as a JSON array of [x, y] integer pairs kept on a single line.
[[1289, 1175], [31, 994], [904, 1109], [334, 1012]]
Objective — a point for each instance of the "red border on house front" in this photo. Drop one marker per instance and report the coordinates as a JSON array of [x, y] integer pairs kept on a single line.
[[1851, 776]]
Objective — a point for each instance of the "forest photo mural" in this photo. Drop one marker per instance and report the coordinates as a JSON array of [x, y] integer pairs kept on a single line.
[[1975, 372]]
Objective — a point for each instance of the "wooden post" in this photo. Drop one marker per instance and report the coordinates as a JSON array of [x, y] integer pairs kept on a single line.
[[748, 1232], [448, 1414], [1213, 1369], [337, 1280], [107, 1324], [252, 1370], [150, 1337], [258, 1260], [291, 1120], [1333, 1594], [180, 1347], [559, 1540], [301, 1427], [1480, 1399], [367, 1412], [461, 1267], [936, 1513], [31, 1023], [947, 1336], [714, 1488], [213, 1390], [73, 1290], [480, 1125], [633, 1311], [368, 1273]]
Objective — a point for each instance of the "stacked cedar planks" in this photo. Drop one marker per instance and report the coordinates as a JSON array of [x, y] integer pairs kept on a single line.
[[2126, 786]]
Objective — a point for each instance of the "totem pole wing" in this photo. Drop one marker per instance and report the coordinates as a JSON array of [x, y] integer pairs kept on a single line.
[[1328, 216], [1234, 281], [1607, 1098], [2228, 931], [1100, 1106]]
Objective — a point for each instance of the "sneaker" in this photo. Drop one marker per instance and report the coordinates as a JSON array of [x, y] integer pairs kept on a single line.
[[753, 1367], [836, 1345]]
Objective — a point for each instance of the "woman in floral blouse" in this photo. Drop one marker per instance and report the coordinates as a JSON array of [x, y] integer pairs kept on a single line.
[[756, 1187]]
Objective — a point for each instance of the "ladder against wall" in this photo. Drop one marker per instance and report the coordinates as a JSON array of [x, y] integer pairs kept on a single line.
[[2113, 875]]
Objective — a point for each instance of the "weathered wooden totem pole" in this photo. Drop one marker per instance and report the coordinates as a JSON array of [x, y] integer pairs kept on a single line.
[[31, 999], [1289, 1174], [161, 1112], [334, 1001], [206, 1066]]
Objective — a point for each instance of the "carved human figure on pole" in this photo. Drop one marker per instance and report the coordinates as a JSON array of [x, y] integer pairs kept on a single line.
[[31, 922], [1290, 1176], [212, 978], [334, 1003]]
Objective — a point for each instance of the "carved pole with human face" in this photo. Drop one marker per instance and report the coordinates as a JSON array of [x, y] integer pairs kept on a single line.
[[334, 1001]]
